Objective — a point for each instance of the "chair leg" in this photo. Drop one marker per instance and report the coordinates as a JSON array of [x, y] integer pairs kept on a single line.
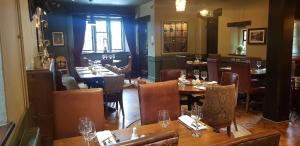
[[121, 106], [234, 122], [129, 78], [228, 131], [247, 102]]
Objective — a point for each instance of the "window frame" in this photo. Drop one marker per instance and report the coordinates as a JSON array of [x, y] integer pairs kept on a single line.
[[109, 36]]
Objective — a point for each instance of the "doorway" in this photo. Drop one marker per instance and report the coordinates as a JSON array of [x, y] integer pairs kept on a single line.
[[143, 45]]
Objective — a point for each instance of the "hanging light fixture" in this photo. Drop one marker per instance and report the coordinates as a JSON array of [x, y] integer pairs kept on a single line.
[[206, 13], [180, 5]]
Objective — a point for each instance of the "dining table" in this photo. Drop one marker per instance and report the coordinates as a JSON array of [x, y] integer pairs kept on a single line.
[[208, 136], [93, 74]]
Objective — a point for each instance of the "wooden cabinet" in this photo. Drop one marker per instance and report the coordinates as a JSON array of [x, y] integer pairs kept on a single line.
[[40, 87]]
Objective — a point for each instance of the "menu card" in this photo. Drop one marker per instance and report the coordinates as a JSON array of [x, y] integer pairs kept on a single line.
[[105, 138], [188, 121]]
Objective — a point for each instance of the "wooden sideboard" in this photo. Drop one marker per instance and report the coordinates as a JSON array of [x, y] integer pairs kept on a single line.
[[41, 83]]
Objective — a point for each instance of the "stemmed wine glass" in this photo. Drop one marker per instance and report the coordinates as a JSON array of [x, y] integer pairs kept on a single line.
[[196, 74], [197, 115], [87, 128], [163, 118], [203, 75], [258, 64]]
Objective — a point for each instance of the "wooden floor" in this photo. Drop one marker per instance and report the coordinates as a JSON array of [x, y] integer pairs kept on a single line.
[[252, 121]]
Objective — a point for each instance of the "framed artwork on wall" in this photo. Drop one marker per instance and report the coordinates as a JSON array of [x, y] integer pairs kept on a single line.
[[58, 39], [175, 37], [257, 36]]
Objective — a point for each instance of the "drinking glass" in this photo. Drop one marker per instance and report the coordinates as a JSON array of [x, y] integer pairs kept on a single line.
[[92, 133], [110, 56], [163, 118], [84, 128], [113, 56], [199, 57], [103, 56], [197, 116], [196, 74], [258, 64], [203, 75], [182, 74]]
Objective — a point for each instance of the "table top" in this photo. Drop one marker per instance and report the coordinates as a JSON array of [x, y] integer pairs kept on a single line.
[[189, 89], [100, 72], [253, 71], [193, 63], [208, 137]]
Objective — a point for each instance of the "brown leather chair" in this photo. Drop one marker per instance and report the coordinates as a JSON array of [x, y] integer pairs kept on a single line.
[[213, 69], [169, 74], [169, 138], [265, 138], [113, 90], [245, 86], [181, 62], [218, 107], [158, 96], [214, 56], [229, 78], [70, 105]]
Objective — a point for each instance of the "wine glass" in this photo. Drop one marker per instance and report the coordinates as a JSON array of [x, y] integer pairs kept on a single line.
[[113, 56], [203, 75], [163, 118], [103, 56], [258, 64], [183, 74], [84, 128], [92, 133], [196, 74], [197, 116]]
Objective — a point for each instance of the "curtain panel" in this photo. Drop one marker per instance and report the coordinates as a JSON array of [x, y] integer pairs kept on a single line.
[[79, 24]]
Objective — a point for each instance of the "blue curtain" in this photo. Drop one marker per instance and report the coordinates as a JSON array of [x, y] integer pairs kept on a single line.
[[79, 24]]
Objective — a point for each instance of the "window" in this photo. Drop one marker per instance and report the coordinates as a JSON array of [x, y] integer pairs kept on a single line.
[[106, 34], [2, 95]]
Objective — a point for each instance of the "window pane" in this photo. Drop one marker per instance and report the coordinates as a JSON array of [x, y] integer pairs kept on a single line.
[[88, 42], [101, 39], [101, 26], [116, 35]]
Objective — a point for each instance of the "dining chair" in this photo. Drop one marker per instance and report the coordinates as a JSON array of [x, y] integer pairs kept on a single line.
[[214, 56], [213, 69], [229, 78], [113, 90], [169, 74], [127, 69], [218, 107], [168, 138], [70, 105], [253, 61], [264, 138], [106, 61], [158, 96], [181, 62], [245, 84]]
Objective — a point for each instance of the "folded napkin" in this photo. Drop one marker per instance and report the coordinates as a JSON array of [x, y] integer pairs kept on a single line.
[[200, 87], [85, 72], [188, 121], [212, 82], [105, 138]]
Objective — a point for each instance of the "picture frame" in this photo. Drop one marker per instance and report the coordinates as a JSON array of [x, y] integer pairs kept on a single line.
[[174, 37], [257, 36], [58, 39]]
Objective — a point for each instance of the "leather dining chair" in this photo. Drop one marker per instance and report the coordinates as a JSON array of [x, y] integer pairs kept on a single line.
[[158, 96], [229, 78], [181, 62], [218, 107], [70, 105], [245, 84], [265, 138], [213, 69], [113, 90], [169, 74]]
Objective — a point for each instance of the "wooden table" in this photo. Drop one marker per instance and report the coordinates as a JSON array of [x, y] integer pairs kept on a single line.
[[262, 71], [89, 77], [208, 137], [189, 89]]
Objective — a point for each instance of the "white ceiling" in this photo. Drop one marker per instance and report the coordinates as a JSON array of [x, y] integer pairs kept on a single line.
[[108, 2]]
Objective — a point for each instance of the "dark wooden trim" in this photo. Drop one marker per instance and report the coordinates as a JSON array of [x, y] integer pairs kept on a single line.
[[265, 36], [239, 24], [231, 54], [218, 12], [143, 19], [5, 132]]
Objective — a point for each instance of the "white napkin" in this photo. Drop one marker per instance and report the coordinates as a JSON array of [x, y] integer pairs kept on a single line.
[[105, 138], [200, 87], [212, 82], [187, 120]]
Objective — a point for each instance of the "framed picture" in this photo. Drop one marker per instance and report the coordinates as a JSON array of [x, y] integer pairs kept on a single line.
[[257, 36], [174, 37], [58, 39]]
